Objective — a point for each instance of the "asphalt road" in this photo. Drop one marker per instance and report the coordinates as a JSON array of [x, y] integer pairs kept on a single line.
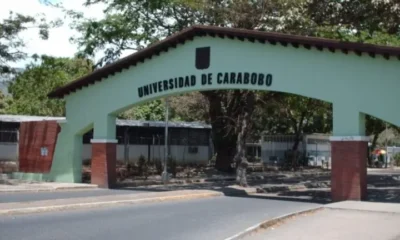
[[212, 218], [37, 196]]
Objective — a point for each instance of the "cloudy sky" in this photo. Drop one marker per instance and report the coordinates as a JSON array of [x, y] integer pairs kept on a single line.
[[58, 43]]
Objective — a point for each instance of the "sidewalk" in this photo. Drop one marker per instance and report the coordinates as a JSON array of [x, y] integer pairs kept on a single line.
[[343, 220]]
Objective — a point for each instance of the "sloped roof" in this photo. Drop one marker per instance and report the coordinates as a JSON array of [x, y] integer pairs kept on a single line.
[[241, 34]]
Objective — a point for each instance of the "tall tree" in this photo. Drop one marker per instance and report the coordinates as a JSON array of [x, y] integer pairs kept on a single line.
[[30, 88]]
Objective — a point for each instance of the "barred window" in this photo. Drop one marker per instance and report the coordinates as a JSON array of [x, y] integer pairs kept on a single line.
[[9, 132], [9, 136]]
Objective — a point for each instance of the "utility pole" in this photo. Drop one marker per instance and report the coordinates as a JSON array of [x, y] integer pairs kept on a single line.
[[165, 171], [386, 147]]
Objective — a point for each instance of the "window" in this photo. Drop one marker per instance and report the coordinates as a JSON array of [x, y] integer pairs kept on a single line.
[[9, 132]]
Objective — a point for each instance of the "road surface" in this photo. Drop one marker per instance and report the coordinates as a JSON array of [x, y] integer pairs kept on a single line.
[[212, 218]]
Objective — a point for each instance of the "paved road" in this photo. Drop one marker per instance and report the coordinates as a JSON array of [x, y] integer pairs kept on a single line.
[[213, 218], [37, 196]]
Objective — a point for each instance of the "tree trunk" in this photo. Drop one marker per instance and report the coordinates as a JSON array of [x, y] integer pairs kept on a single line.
[[224, 140], [224, 158], [240, 158], [293, 158], [373, 145], [243, 129]]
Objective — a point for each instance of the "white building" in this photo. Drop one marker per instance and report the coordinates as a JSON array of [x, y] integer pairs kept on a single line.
[[188, 142], [315, 147]]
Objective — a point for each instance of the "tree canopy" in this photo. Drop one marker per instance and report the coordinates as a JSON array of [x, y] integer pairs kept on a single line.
[[29, 89]]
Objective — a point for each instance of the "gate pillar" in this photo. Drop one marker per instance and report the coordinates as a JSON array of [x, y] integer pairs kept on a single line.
[[349, 149], [349, 168], [103, 168], [104, 152]]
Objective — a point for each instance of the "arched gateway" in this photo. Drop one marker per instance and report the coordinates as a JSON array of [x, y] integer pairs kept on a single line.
[[355, 78]]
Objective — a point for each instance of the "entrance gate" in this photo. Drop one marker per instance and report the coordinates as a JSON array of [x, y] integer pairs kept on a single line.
[[208, 58]]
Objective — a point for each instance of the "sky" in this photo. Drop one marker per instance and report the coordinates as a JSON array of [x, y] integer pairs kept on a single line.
[[58, 43]]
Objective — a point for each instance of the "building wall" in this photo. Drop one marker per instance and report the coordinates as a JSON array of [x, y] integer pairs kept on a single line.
[[316, 146], [138, 137], [9, 152], [177, 152]]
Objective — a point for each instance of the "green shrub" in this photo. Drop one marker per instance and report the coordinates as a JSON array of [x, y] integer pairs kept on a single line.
[[143, 167], [159, 166], [172, 166]]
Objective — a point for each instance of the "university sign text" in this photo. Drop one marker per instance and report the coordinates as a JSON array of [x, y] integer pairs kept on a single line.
[[206, 79]]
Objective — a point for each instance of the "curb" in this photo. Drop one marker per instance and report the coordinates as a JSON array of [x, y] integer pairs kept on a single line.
[[47, 189], [105, 204], [271, 222]]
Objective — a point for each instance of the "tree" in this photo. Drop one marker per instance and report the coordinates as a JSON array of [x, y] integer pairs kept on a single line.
[[29, 89], [154, 111], [10, 42], [363, 16], [4, 103], [150, 111], [190, 107]]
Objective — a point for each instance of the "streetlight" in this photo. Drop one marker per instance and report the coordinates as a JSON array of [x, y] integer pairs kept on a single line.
[[165, 171]]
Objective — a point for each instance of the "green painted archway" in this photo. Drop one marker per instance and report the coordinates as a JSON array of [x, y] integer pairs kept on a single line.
[[357, 79]]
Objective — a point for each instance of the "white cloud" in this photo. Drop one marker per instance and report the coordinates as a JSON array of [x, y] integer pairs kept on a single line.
[[58, 43]]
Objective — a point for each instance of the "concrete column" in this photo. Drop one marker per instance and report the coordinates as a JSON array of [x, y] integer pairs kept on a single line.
[[104, 152], [349, 155], [67, 161], [103, 168], [104, 127]]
